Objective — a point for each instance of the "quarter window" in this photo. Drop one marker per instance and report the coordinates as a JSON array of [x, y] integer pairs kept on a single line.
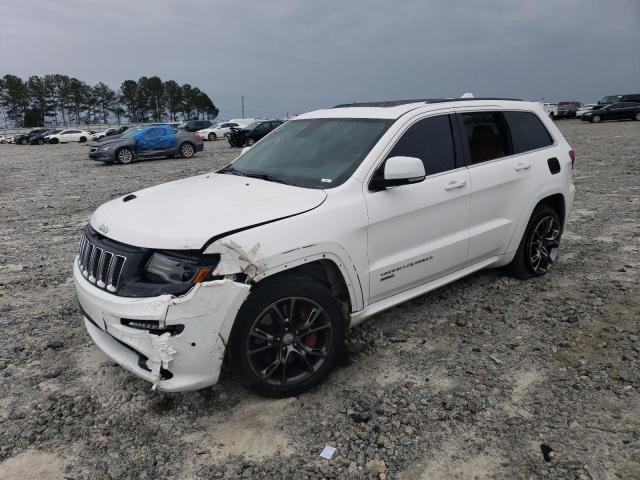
[[527, 131], [431, 141], [487, 136]]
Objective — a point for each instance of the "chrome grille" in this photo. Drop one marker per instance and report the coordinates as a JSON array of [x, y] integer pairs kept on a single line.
[[99, 266]]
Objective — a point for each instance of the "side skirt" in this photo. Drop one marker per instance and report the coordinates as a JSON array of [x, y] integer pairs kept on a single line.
[[386, 303]]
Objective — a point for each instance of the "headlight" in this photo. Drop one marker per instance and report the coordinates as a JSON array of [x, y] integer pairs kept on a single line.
[[176, 268], [105, 148]]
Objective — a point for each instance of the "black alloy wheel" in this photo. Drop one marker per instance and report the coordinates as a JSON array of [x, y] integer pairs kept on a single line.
[[543, 245], [287, 336]]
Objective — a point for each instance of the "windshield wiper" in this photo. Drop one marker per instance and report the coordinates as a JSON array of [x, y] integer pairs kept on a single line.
[[232, 170], [265, 176]]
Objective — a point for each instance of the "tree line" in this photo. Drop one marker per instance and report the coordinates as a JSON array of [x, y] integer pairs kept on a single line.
[[62, 100]]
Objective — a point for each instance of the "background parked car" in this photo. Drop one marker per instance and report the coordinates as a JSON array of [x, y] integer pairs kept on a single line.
[[615, 111], [39, 139], [551, 109], [194, 125], [246, 136], [3, 139], [69, 135], [107, 133], [24, 138], [138, 143], [219, 130], [568, 109], [586, 108]]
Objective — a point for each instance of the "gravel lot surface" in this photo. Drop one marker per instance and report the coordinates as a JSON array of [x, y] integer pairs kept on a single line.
[[489, 377]]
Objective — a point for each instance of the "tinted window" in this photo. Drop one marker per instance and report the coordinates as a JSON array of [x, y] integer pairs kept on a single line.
[[319, 153], [431, 141], [487, 136], [527, 131]]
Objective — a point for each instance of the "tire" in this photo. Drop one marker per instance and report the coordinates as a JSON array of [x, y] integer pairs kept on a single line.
[[595, 119], [82, 139], [23, 141], [637, 116], [40, 142], [212, 137], [187, 150], [551, 115], [249, 142], [538, 249], [54, 141], [124, 156], [263, 332]]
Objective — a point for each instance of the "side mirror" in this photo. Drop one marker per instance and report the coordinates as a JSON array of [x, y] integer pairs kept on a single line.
[[400, 171], [244, 150]]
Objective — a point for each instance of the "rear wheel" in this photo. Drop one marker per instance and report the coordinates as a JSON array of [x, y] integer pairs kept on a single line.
[[186, 150], [124, 155], [637, 117], [82, 139], [212, 137], [538, 249], [287, 336]]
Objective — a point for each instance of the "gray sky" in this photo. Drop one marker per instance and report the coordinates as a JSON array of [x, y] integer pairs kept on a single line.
[[294, 56]]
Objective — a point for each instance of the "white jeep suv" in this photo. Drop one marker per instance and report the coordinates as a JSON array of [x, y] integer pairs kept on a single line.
[[330, 219]]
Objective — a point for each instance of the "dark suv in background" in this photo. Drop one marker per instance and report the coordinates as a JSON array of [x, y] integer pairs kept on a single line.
[[247, 136], [615, 111], [193, 125]]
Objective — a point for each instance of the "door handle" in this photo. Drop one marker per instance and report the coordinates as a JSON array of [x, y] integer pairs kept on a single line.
[[522, 166], [455, 184]]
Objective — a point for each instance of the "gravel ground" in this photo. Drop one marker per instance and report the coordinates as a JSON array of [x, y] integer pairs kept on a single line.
[[489, 377]]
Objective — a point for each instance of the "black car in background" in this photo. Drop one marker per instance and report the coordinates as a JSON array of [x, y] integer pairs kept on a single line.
[[193, 125], [39, 139], [247, 136], [615, 111], [25, 138], [568, 109]]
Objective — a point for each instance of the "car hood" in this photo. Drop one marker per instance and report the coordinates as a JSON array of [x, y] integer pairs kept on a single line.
[[108, 140], [185, 214]]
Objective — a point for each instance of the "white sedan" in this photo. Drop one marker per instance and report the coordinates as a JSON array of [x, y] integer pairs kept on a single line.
[[585, 108], [69, 135], [107, 133], [218, 131]]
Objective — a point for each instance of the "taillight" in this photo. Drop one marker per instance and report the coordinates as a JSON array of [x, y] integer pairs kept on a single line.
[[199, 137], [572, 155]]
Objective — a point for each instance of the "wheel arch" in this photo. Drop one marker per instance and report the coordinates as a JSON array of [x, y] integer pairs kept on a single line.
[[553, 199]]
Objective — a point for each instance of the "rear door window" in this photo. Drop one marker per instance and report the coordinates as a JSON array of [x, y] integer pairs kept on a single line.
[[487, 136], [430, 140], [527, 131]]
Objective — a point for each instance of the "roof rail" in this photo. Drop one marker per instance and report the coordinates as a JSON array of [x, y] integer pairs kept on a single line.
[[396, 103]]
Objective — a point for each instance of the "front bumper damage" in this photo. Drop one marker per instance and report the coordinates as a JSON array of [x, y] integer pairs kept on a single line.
[[184, 350]]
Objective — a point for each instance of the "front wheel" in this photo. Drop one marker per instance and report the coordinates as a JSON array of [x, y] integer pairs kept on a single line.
[[124, 156], [539, 246], [53, 141], [249, 142], [212, 137], [40, 141], [637, 117], [187, 150], [287, 336], [595, 119], [23, 141]]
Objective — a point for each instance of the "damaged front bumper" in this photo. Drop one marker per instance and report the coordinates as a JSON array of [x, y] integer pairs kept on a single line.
[[176, 343]]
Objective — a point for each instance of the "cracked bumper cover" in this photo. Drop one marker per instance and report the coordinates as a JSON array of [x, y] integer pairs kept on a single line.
[[193, 357]]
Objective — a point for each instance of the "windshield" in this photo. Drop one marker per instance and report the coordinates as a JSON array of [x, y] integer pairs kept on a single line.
[[251, 126], [610, 99], [315, 153]]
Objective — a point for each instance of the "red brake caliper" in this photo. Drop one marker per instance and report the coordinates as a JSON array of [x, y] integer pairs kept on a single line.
[[311, 339]]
